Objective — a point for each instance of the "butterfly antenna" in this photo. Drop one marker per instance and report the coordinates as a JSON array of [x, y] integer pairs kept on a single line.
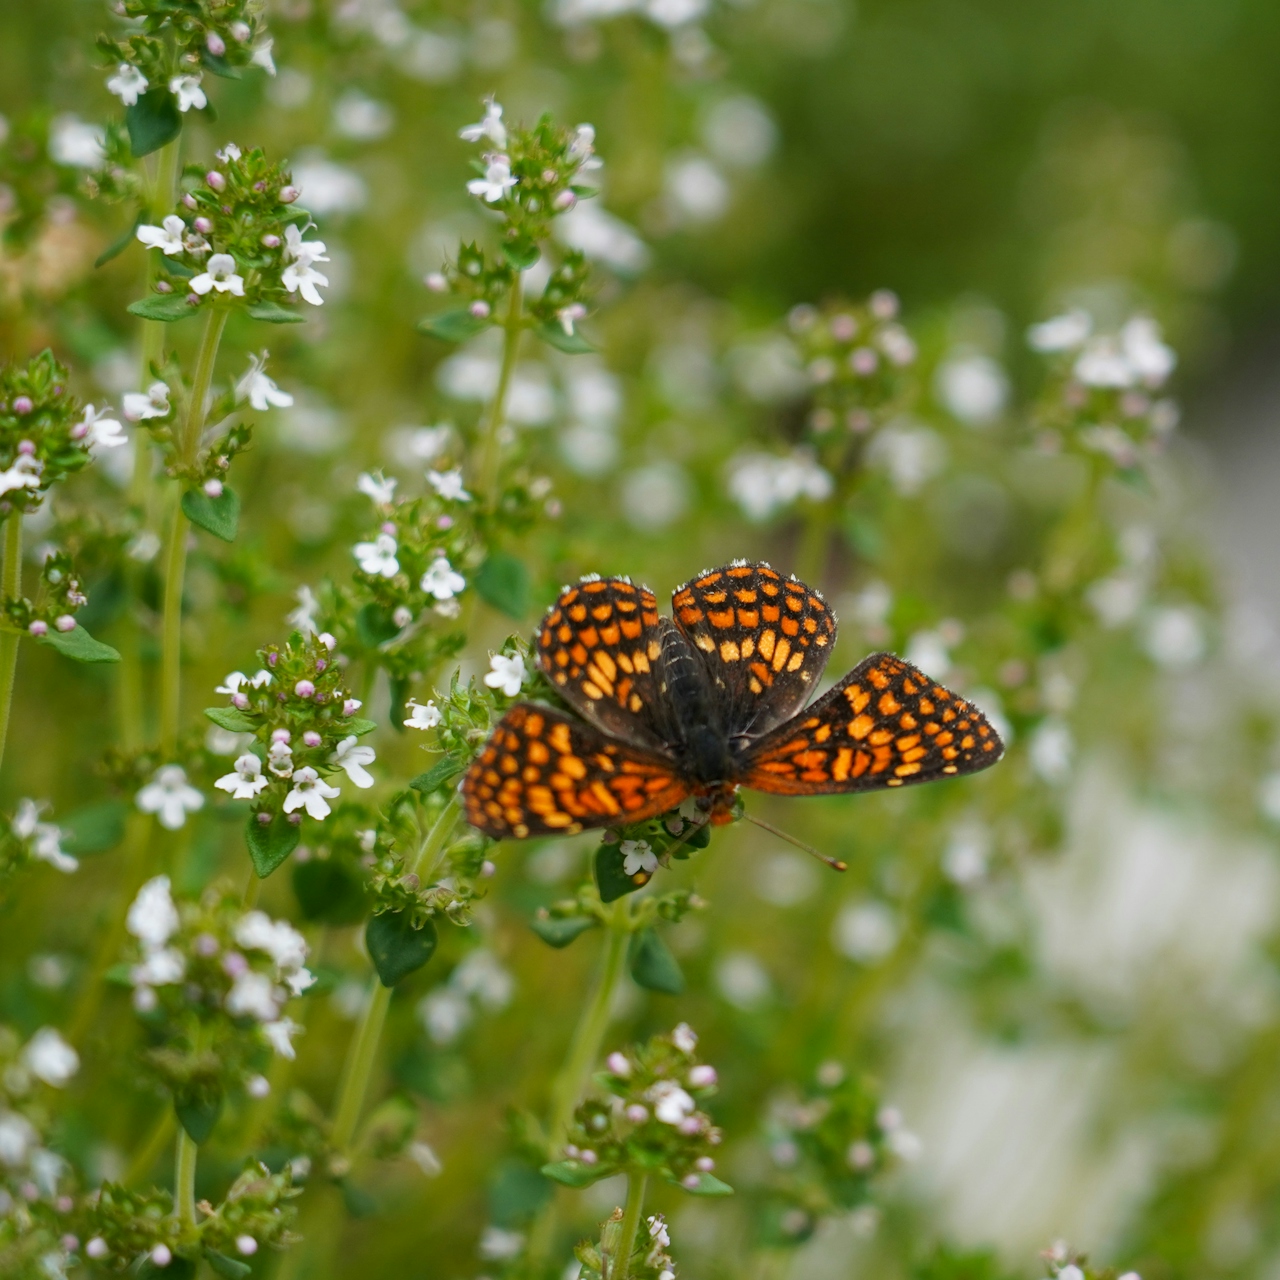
[[834, 863]]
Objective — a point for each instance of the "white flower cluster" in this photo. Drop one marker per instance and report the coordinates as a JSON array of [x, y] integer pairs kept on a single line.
[[763, 483], [43, 840], [170, 796], [1134, 357], [479, 981]]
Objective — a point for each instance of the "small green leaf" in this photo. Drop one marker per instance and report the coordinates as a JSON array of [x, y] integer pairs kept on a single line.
[[560, 932], [198, 1114], [94, 828], [220, 516], [521, 253], [177, 1268], [396, 947], [274, 313], [152, 121], [269, 844], [162, 306], [453, 326], [652, 965], [444, 769], [361, 727], [230, 719], [611, 877], [118, 246], [375, 626], [570, 1173], [358, 1202], [573, 344], [708, 1185], [230, 1268], [80, 645], [503, 582], [329, 891], [219, 66], [120, 975]]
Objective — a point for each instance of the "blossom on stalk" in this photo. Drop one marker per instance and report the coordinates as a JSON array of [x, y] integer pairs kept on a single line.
[[637, 856], [153, 403], [310, 792], [352, 758], [260, 390], [188, 92], [50, 1058], [490, 127], [422, 717], [167, 237], [96, 428], [441, 581], [219, 274], [378, 488], [169, 796], [378, 557], [245, 780], [300, 276], [24, 474], [43, 839], [153, 917], [448, 485], [128, 84], [506, 674], [497, 180]]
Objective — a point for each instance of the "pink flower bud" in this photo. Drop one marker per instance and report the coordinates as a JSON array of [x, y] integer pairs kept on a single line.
[[22, 405], [488, 869], [215, 44], [240, 32], [27, 447], [618, 1064], [240, 701], [246, 1245], [636, 1113], [351, 706], [690, 1181], [96, 1248], [387, 526], [311, 738], [161, 1256], [38, 628], [304, 689], [193, 299], [702, 1077], [203, 226], [272, 659], [289, 194], [65, 622], [704, 1164], [479, 309], [205, 945], [327, 640], [884, 304], [436, 282], [280, 735], [271, 240], [690, 1125], [190, 201], [264, 819], [212, 488], [163, 286], [79, 431], [216, 180], [295, 819], [565, 200], [588, 1156], [444, 522], [234, 964]]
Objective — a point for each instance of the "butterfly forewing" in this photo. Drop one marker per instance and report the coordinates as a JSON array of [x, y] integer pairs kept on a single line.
[[545, 773], [885, 724], [763, 638], [599, 645]]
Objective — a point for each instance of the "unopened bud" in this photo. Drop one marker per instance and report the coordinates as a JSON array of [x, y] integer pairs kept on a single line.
[[38, 628], [163, 286], [565, 200], [161, 1256], [216, 180], [212, 488], [96, 1248], [215, 44], [311, 738], [22, 405], [271, 240], [304, 689], [190, 201], [479, 309], [289, 194], [203, 226], [65, 622], [264, 819], [435, 281], [246, 1245]]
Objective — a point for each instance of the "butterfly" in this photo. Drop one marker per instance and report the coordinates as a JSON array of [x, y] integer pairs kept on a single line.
[[704, 702]]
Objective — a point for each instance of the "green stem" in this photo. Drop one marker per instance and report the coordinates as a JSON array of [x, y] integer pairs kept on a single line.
[[184, 1179], [491, 446], [589, 1034], [637, 1183], [10, 585], [188, 444]]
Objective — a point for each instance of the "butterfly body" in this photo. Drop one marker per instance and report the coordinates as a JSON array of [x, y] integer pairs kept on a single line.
[[705, 702]]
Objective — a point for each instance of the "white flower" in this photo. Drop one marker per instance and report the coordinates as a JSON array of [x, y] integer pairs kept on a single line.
[[1051, 750], [973, 387], [637, 856], [153, 917], [260, 391], [24, 474], [167, 237], [26, 818], [911, 455], [254, 996], [865, 932], [378, 488], [658, 1232], [379, 556], [1061, 333], [310, 792], [421, 717], [128, 84], [262, 58], [279, 1035], [98, 429], [506, 673], [46, 844], [762, 483], [304, 616], [300, 275], [1103, 364], [229, 153], [154, 403], [352, 758], [448, 484], [497, 1244], [246, 781], [490, 127], [671, 1103], [17, 1136], [169, 796], [188, 92], [685, 1038], [497, 181], [441, 581], [257, 931], [1151, 359], [300, 980], [159, 968], [219, 274], [280, 759], [75, 142], [50, 1058]]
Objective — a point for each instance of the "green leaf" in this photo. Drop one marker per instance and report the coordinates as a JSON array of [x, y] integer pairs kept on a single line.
[[162, 306], [570, 1173], [503, 582], [329, 891], [197, 1114], [708, 1185], [573, 344], [94, 828], [521, 253], [118, 246], [560, 932], [178, 1268], [230, 719], [274, 313], [453, 326], [611, 879], [444, 769], [361, 727], [652, 965], [219, 516], [269, 845], [219, 66], [80, 645], [230, 1268], [120, 975], [152, 121], [358, 1202], [375, 626], [396, 947]]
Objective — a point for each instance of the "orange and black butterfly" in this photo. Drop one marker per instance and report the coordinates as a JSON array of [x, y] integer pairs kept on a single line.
[[706, 702]]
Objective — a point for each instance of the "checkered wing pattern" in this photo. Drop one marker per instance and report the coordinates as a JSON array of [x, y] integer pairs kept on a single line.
[[545, 773], [600, 645], [763, 638], [884, 725]]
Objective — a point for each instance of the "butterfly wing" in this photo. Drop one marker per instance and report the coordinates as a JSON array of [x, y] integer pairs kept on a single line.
[[884, 725], [764, 640], [545, 773], [601, 645]]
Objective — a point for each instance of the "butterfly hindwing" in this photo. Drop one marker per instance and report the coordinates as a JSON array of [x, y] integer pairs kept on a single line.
[[545, 773], [885, 724], [763, 638]]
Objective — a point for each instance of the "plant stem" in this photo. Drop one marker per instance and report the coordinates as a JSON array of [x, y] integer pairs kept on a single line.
[[188, 444], [184, 1179], [491, 447], [10, 585], [637, 1183]]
